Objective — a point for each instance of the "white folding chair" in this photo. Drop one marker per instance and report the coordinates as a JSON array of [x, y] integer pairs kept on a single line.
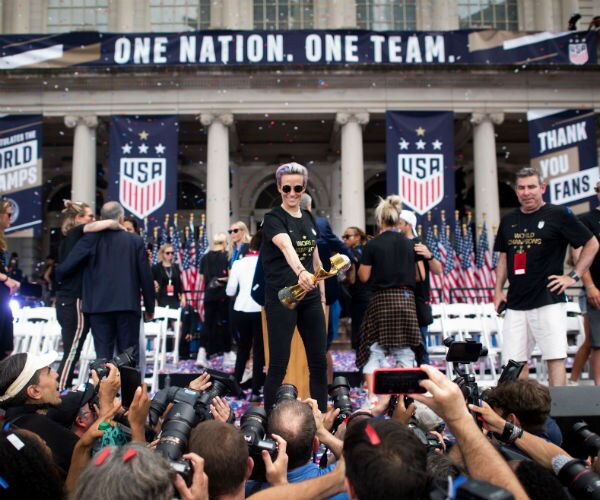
[[88, 354], [154, 333], [172, 319]]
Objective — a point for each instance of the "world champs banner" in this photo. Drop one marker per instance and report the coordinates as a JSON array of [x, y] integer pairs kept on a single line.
[[21, 171], [420, 159], [143, 164], [563, 148]]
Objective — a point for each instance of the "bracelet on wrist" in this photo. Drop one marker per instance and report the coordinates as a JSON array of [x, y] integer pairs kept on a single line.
[[590, 287], [300, 272], [511, 433]]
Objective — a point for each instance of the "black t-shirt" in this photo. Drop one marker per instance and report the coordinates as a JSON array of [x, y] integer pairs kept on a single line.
[[543, 236], [162, 275], [591, 220], [392, 257], [359, 291], [214, 265], [58, 438], [70, 286], [304, 234]]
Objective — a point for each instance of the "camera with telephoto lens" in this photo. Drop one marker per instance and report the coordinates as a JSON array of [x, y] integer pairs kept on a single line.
[[285, 392], [126, 358], [253, 426], [590, 440], [581, 481], [429, 440], [340, 395]]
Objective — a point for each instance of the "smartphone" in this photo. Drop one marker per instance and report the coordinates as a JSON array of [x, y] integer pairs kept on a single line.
[[398, 380], [131, 379]]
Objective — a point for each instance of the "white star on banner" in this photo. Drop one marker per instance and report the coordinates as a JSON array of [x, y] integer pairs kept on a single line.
[[160, 149], [437, 144], [420, 144], [126, 149], [403, 144], [143, 149]]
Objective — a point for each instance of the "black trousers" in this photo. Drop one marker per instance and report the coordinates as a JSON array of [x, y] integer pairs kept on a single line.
[[216, 328], [249, 326], [117, 328], [74, 329], [310, 319]]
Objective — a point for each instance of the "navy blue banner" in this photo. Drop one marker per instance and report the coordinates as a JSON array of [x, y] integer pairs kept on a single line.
[[420, 160], [143, 165], [21, 170], [301, 47], [562, 147]]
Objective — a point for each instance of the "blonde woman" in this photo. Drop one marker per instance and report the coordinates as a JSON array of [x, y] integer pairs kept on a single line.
[[78, 218], [167, 279], [390, 323], [238, 243], [8, 286]]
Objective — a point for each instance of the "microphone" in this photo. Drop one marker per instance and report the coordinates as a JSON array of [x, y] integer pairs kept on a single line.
[[581, 481]]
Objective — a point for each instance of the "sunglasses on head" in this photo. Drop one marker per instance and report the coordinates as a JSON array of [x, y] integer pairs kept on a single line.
[[297, 188], [233, 231]]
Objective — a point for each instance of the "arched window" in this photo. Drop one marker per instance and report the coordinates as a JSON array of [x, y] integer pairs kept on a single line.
[[283, 14], [179, 15], [75, 15], [501, 15], [386, 15]]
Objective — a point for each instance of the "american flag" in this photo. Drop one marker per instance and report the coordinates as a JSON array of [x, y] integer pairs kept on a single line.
[[145, 232], [154, 252], [450, 273], [164, 236], [188, 273], [485, 274], [176, 242], [436, 281], [467, 261]]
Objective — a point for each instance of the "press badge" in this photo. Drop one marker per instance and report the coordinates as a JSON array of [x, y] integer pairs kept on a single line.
[[170, 290], [520, 263]]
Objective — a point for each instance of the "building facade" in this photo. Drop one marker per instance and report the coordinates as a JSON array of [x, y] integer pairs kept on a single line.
[[238, 122]]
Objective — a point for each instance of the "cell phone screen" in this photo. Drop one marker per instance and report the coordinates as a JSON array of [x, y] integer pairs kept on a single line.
[[131, 379], [398, 380]]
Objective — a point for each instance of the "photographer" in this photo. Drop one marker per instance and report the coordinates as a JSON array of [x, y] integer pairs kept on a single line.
[[296, 422], [525, 403]]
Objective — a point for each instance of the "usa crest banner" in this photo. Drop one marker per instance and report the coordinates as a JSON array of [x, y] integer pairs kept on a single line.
[[21, 171], [562, 146], [420, 160], [143, 164]]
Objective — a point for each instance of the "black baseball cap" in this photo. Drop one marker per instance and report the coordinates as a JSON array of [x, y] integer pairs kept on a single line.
[[71, 402]]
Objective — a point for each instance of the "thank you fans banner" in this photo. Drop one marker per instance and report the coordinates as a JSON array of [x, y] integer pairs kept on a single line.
[[563, 148], [296, 47], [420, 159], [143, 164], [21, 170]]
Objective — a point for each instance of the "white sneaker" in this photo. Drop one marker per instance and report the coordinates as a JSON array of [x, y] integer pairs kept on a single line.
[[229, 359], [202, 360]]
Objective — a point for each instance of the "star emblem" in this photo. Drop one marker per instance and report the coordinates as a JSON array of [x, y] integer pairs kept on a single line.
[[143, 135], [403, 144], [143, 149], [436, 144], [126, 149], [160, 149], [420, 131], [420, 144]]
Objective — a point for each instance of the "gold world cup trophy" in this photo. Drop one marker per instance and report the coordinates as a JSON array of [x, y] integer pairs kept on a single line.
[[291, 295]]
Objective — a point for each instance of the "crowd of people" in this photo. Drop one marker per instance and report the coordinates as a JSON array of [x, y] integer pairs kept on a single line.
[[83, 443]]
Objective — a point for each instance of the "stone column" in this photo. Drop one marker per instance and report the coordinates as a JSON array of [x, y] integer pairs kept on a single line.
[[352, 171], [485, 167], [235, 193], [217, 172], [83, 181], [16, 16]]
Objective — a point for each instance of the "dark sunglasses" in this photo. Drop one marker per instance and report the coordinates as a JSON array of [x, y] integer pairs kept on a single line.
[[9, 214], [347, 236], [287, 188], [169, 253], [597, 189], [232, 231]]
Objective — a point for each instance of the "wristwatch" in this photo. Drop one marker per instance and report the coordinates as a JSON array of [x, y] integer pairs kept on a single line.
[[574, 275]]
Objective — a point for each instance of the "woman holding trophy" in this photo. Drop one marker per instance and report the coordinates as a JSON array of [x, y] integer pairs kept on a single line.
[[289, 255]]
